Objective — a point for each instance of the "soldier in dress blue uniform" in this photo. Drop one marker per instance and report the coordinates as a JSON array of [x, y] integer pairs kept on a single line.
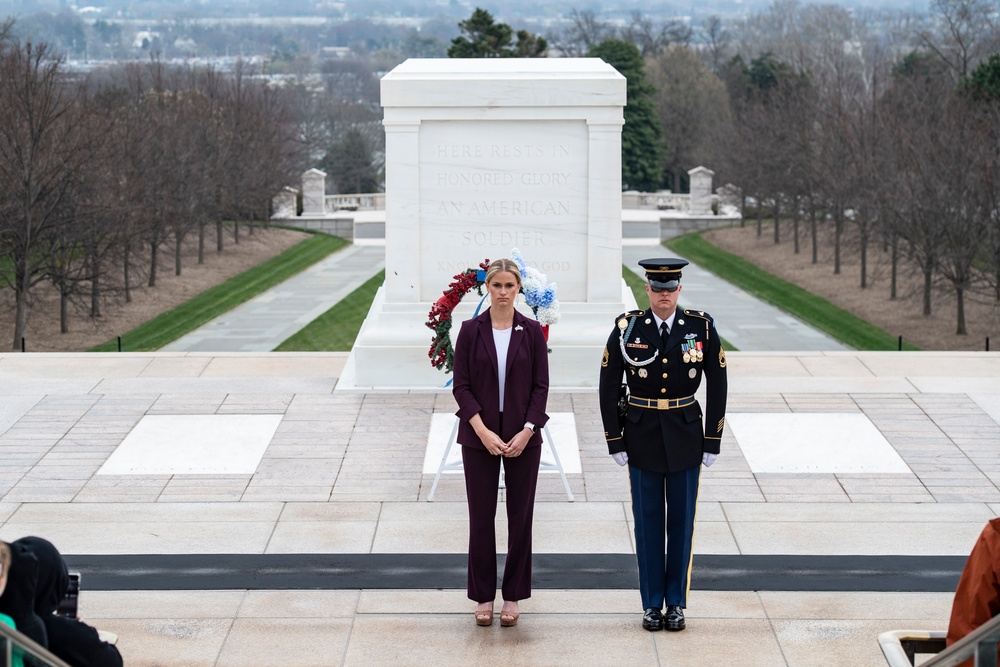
[[664, 436]]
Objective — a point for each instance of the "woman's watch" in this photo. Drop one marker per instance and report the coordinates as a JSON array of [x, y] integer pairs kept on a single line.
[[531, 427]]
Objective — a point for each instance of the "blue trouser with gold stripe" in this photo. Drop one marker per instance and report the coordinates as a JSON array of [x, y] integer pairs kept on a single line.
[[664, 500]]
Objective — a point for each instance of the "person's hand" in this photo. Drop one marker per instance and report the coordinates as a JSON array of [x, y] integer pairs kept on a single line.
[[494, 445], [621, 458], [517, 443], [708, 459]]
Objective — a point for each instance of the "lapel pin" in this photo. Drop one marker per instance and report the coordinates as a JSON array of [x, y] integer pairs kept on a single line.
[[518, 328]]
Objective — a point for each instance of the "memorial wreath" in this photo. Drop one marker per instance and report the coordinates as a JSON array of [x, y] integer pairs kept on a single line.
[[538, 295], [442, 354]]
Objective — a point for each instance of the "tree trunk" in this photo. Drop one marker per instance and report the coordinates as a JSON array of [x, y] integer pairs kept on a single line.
[[812, 231], [218, 236], [864, 260], [743, 209], [21, 316], [895, 267], [128, 273], [153, 246], [928, 274], [760, 222], [178, 247], [777, 223], [796, 214], [960, 315], [838, 220], [63, 311], [236, 230], [201, 243], [95, 289]]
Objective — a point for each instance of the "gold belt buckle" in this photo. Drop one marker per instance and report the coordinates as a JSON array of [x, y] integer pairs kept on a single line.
[[663, 404]]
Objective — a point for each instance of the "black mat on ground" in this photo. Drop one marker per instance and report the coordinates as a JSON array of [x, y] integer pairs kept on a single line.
[[551, 571]]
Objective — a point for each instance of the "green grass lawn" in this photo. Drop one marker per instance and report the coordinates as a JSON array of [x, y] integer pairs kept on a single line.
[[794, 300], [337, 328], [211, 303]]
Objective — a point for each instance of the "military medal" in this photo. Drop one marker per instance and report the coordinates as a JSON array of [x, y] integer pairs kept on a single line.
[[689, 347], [643, 372], [699, 353]]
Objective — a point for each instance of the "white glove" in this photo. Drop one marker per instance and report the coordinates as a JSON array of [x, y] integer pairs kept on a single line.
[[708, 459], [621, 458]]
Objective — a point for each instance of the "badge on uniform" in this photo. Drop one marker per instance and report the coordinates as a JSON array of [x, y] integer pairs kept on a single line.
[[690, 348], [639, 344]]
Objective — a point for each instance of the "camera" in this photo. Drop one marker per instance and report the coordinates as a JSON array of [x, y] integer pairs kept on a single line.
[[68, 605]]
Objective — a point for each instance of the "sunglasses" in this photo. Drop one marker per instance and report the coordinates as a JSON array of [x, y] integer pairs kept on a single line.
[[657, 290]]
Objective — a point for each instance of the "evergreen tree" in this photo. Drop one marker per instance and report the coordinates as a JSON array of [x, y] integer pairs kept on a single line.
[[984, 82], [642, 143], [351, 165], [483, 37]]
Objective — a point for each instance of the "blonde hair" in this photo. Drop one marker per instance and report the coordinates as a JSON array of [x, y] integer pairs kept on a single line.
[[501, 265], [4, 559]]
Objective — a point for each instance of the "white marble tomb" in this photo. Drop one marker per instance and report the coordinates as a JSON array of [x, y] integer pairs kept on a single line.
[[487, 155]]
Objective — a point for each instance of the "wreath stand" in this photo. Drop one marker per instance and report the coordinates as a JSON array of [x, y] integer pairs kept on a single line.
[[542, 465]]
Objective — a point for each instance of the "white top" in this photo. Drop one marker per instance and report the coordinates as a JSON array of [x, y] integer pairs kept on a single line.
[[669, 320], [501, 338]]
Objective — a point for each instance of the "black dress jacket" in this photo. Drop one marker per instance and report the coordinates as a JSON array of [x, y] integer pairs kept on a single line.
[[663, 429]]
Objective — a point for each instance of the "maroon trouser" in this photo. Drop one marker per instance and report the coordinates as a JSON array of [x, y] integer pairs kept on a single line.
[[482, 477]]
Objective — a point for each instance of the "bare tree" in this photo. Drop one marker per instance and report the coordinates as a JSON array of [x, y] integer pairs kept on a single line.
[[40, 151], [965, 32], [717, 40], [584, 33], [651, 37], [693, 107]]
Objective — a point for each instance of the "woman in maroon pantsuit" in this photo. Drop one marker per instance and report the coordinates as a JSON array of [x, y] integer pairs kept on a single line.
[[501, 387]]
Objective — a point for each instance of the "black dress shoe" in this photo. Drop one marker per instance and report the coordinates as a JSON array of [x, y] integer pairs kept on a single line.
[[652, 620], [675, 617]]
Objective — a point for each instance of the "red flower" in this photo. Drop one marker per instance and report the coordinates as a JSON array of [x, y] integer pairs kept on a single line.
[[439, 318]]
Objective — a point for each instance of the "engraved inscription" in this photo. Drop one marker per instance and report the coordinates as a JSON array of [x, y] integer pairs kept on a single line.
[[504, 238]]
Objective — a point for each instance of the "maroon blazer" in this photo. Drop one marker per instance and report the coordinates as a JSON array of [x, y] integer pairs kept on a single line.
[[476, 386]]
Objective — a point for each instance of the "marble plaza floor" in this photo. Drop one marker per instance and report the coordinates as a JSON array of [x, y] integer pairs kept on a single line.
[[237, 509]]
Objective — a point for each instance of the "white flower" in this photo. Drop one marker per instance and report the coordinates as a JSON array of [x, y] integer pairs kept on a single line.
[[539, 295]]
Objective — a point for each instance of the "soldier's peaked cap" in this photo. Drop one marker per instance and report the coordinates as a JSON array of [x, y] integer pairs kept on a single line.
[[663, 272]]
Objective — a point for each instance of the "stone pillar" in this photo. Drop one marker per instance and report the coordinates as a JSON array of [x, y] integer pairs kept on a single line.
[[483, 156], [313, 193], [284, 204], [701, 191]]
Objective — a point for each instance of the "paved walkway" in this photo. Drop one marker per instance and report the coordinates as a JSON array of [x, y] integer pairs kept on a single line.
[[264, 322], [296, 530]]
